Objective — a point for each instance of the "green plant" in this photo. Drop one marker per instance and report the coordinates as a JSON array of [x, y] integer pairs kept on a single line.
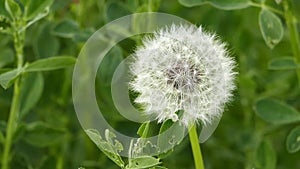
[[259, 129], [17, 20], [271, 27]]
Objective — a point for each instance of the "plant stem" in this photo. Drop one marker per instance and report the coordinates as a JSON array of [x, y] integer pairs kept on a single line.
[[291, 22], [15, 106], [196, 148], [253, 4]]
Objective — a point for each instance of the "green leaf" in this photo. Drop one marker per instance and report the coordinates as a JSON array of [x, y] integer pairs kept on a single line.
[[31, 91], [1, 138], [35, 7], [143, 130], [51, 63], [276, 112], [158, 167], [110, 147], [108, 65], [115, 11], [265, 156], [3, 125], [6, 57], [270, 27], [287, 63], [142, 162], [293, 140], [4, 70], [40, 134], [169, 140], [3, 11], [84, 35], [221, 4], [278, 1], [46, 45], [13, 8], [66, 29], [8, 78]]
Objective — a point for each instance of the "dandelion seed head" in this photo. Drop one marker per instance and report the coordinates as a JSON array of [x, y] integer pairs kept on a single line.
[[183, 68]]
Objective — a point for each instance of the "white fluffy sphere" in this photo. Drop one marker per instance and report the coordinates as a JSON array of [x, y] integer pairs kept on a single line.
[[182, 68]]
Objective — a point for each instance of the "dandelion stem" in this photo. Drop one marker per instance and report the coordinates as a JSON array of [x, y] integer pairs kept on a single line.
[[196, 148], [291, 22]]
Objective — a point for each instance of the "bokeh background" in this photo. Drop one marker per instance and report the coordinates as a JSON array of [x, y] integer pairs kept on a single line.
[[51, 137]]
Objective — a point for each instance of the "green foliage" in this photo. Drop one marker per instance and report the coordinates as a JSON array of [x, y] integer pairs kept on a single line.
[[225, 4], [143, 130], [34, 8], [276, 112], [142, 162], [8, 78], [110, 147], [52, 63], [265, 156], [31, 92], [173, 138], [271, 27], [285, 63], [293, 140], [66, 29], [42, 135], [6, 57], [46, 45], [13, 8], [46, 133]]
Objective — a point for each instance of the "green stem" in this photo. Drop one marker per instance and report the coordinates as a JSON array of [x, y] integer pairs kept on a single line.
[[253, 4], [291, 22], [15, 106], [196, 148]]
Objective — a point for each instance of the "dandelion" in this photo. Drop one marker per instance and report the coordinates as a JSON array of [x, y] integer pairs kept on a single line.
[[182, 68]]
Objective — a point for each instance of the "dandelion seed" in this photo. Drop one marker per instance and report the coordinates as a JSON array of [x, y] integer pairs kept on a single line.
[[183, 68]]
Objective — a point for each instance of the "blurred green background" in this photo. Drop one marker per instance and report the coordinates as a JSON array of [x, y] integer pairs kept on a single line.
[[63, 143]]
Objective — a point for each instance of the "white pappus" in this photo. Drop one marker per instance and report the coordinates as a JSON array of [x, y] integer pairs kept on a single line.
[[182, 68]]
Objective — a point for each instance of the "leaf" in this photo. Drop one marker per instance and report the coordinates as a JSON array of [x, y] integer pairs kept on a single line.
[[46, 45], [8, 78], [3, 11], [6, 57], [109, 147], [265, 156], [293, 140], [34, 7], [13, 8], [1, 138], [143, 130], [167, 141], [31, 91], [3, 125], [40, 134], [158, 167], [287, 63], [51, 63], [270, 27], [66, 29], [143, 162], [221, 4], [4, 70], [84, 35], [278, 1], [115, 11], [276, 112], [108, 65]]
